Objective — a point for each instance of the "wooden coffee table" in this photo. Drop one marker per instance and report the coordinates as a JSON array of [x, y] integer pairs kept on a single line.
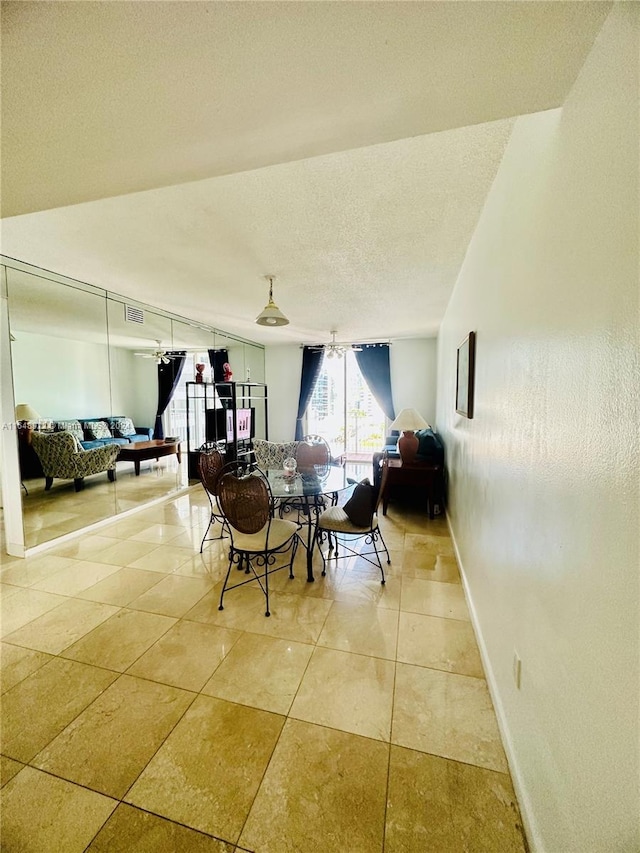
[[140, 451]]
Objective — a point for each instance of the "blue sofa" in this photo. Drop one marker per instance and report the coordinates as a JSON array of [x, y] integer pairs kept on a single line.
[[96, 432]]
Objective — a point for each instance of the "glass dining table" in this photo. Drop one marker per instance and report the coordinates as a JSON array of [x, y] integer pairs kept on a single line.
[[307, 488]]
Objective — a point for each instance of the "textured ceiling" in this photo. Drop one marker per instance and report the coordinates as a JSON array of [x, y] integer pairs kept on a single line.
[[178, 152]]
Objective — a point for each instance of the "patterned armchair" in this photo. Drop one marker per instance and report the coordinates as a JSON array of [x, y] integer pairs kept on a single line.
[[61, 456]]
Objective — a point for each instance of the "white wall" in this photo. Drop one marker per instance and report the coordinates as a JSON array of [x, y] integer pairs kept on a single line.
[[543, 481], [134, 387], [61, 378], [413, 380], [414, 376]]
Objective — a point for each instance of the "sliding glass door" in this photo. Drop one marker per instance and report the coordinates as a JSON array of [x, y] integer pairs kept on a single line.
[[344, 411]]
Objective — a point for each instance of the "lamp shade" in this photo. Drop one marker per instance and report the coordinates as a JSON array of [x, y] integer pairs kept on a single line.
[[409, 419], [24, 412], [271, 315]]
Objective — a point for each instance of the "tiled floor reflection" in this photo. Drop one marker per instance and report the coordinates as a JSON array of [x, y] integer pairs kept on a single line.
[[138, 716]]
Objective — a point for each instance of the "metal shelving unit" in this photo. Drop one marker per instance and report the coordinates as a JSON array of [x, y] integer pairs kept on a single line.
[[208, 419]]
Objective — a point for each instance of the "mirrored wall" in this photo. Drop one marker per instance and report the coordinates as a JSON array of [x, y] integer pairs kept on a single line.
[[79, 353]]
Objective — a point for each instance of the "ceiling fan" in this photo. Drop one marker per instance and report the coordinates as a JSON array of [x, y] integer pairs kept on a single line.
[[336, 349], [161, 356]]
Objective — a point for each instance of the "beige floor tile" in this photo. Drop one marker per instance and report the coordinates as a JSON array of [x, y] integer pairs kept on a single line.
[[323, 790], [186, 655], [164, 559], [173, 596], [125, 528], [28, 572], [430, 566], [207, 772], [86, 547], [237, 604], [119, 641], [446, 714], [160, 534], [437, 804], [427, 543], [106, 747], [191, 537], [353, 693], [59, 628], [17, 663], [8, 769], [358, 587], [361, 628], [124, 553], [42, 814], [433, 598], [38, 708], [201, 566], [78, 576], [293, 617], [263, 672], [24, 607], [7, 590], [447, 644], [129, 829], [121, 587]]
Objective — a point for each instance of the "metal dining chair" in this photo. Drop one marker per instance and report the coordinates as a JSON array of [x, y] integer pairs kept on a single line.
[[357, 519], [257, 538], [210, 463]]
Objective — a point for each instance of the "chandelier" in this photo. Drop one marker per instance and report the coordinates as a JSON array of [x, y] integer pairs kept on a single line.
[[334, 350]]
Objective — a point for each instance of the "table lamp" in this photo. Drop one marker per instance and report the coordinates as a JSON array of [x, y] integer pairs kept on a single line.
[[407, 421], [26, 416]]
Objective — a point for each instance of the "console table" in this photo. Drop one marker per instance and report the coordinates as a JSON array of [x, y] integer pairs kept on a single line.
[[424, 476]]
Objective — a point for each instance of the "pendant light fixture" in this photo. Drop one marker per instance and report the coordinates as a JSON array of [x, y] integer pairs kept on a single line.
[[271, 315]]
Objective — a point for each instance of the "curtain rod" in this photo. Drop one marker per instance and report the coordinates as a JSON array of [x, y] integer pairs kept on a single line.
[[349, 344]]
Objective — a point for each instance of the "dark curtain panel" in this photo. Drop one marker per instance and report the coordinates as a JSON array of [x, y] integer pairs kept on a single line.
[[218, 357], [168, 378], [373, 361], [311, 364]]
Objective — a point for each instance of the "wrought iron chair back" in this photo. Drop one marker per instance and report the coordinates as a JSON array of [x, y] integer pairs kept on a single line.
[[210, 464], [257, 538]]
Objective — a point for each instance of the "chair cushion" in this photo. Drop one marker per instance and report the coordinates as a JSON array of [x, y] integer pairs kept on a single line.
[[360, 506], [98, 429], [279, 533], [122, 427], [336, 520]]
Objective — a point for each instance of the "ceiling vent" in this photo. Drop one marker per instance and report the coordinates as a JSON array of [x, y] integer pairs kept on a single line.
[[133, 315]]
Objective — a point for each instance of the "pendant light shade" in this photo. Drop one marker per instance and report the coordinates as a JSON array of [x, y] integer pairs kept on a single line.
[[271, 315]]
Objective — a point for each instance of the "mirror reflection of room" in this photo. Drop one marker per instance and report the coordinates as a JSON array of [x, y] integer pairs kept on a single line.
[[87, 363]]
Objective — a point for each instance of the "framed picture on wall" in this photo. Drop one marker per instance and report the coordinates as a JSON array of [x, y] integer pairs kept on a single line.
[[465, 371]]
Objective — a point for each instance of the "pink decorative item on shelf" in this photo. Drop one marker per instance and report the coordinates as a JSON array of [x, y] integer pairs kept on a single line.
[[199, 371], [227, 372]]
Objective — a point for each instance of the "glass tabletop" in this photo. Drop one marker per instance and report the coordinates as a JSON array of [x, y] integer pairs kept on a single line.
[[319, 480]]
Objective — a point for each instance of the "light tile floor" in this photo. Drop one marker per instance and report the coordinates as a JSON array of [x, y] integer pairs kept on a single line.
[[137, 716]]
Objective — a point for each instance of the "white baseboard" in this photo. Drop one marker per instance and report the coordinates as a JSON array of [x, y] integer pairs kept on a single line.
[[534, 839]]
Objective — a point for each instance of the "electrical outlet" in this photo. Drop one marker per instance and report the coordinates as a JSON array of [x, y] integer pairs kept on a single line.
[[517, 669]]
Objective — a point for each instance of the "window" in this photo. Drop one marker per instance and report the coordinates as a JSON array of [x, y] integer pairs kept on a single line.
[[344, 411]]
